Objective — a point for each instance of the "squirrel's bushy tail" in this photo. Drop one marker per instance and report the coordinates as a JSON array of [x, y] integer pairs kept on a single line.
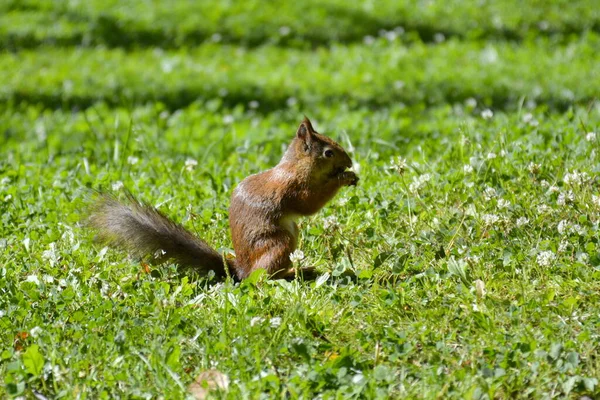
[[143, 231]]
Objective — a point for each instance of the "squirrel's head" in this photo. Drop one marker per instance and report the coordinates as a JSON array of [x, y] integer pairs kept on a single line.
[[326, 158]]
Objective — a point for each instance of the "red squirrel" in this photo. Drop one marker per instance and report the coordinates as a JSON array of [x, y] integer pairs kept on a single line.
[[262, 215]]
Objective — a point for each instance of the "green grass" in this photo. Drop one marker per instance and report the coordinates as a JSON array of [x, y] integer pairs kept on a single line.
[[449, 200], [141, 23], [385, 73]]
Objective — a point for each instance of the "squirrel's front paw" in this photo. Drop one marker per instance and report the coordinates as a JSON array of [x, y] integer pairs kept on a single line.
[[348, 178]]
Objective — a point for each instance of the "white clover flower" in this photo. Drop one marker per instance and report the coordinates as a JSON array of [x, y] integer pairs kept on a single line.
[[489, 55], [487, 114], [490, 219], [285, 30], [553, 189], [543, 209], [116, 186], [563, 246], [56, 374], [544, 183], [190, 164], [418, 182], [342, 201], [425, 178], [544, 25], [471, 102], [596, 200], [331, 222], [579, 230], [467, 168], [522, 221], [563, 227], [502, 153], [35, 331], [502, 204], [479, 288], [50, 254], [575, 178], [590, 137], [132, 160], [256, 321], [33, 279], [390, 35], [565, 197], [439, 37], [534, 168], [583, 258], [545, 258], [491, 156], [473, 259], [104, 289], [399, 164], [489, 193], [297, 255], [275, 322], [528, 119]]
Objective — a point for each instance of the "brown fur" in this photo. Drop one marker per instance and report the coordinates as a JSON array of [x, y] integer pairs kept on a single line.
[[144, 231], [301, 184], [261, 216]]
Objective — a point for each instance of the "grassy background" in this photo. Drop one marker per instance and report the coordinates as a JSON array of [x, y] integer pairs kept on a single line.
[[471, 240]]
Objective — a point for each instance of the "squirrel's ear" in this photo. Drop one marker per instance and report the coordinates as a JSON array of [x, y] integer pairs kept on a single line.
[[304, 133], [306, 122]]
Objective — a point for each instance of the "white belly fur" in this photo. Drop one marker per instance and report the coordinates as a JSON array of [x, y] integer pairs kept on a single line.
[[289, 224]]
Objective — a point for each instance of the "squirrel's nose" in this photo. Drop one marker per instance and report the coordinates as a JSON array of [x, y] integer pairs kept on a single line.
[[348, 163]]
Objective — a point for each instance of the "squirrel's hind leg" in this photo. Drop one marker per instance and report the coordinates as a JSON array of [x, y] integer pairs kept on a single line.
[[305, 273]]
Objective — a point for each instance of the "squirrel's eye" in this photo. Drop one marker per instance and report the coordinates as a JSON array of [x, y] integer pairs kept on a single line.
[[328, 153]]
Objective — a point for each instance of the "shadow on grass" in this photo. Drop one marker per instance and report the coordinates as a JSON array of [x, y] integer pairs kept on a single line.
[[344, 26], [270, 102]]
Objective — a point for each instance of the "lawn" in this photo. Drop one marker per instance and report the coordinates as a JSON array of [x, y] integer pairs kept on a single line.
[[465, 264]]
